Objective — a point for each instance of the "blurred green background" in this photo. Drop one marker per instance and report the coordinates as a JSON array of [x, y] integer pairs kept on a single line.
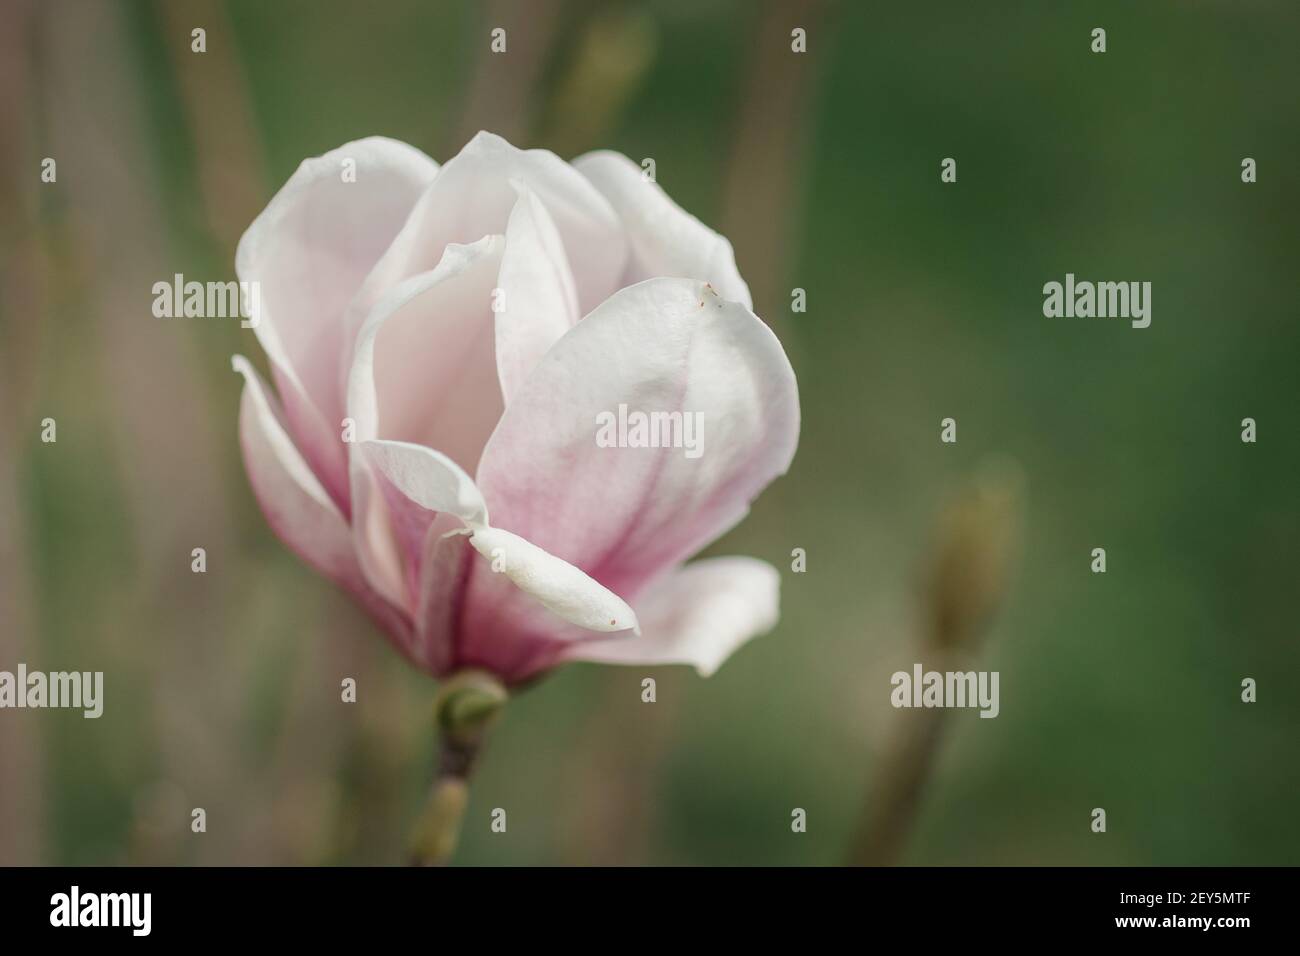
[[1119, 690]]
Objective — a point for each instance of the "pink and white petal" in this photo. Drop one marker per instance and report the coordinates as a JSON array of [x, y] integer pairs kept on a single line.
[[698, 614], [421, 483], [424, 372], [309, 251], [425, 496], [666, 240], [507, 631], [624, 514], [538, 300], [472, 196], [424, 369], [520, 607], [444, 568], [320, 442], [375, 538], [296, 505]]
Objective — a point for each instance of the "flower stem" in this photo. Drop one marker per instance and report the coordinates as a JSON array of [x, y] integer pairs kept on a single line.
[[466, 707], [886, 825], [438, 829]]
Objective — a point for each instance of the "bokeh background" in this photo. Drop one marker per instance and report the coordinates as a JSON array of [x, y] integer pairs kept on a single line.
[[1119, 690]]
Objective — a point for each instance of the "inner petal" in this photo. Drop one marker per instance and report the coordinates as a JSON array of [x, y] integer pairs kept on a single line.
[[435, 367]]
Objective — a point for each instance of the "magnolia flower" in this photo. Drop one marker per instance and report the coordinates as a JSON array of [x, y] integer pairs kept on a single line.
[[424, 325]]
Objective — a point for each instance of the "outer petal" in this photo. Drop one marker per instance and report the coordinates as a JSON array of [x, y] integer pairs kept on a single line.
[[624, 514], [309, 251], [539, 302], [699, 615], [472, 196], [666, 240], [297, 506], [557, 585]]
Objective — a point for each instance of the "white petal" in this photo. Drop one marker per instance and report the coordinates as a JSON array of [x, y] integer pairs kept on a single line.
[[557, 585], [699, 615], [472, 196], [428, 478], [312, 246], [666, 240], [539, 301], [423, 369]]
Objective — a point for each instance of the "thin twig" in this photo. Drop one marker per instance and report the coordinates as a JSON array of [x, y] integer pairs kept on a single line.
[[977, 541]]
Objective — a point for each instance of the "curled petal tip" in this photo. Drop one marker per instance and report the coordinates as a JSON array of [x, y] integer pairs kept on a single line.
[[565, 590]]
